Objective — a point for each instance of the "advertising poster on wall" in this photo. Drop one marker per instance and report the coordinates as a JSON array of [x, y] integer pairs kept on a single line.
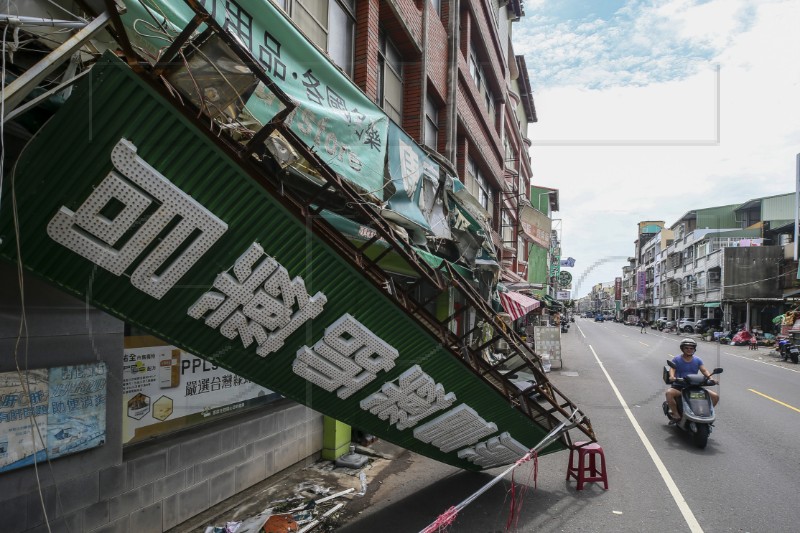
[[49, 413], [165, 388]]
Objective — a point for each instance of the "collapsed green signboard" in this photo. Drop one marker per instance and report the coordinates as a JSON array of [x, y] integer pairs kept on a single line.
[[122, 201]]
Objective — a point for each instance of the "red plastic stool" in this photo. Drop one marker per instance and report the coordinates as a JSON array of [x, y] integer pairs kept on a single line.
[[585, 471]]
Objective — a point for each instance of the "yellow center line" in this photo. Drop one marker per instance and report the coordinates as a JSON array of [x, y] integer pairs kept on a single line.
[[774, 400]]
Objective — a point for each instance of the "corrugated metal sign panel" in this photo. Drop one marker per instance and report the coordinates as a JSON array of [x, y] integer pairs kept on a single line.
[[118, 195]]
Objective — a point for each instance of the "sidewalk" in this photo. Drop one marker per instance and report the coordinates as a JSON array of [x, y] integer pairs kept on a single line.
[[315, 491]]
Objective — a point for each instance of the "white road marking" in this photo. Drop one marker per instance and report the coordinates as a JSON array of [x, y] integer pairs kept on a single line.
[[680, 501], [762, 362], [640, 342]]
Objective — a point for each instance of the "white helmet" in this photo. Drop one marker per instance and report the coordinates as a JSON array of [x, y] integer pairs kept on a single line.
[[688, 342]]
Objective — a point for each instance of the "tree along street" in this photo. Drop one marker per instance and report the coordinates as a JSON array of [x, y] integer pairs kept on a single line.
[[745, 479]]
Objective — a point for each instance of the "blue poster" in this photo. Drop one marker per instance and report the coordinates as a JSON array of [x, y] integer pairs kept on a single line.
[[48, 413]]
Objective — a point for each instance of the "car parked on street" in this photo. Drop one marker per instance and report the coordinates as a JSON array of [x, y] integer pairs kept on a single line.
[[704, 324], [658, 323], [599, 317], [686, 324]]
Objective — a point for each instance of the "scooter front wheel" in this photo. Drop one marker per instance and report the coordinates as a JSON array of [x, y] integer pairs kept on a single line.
[[700, 437]]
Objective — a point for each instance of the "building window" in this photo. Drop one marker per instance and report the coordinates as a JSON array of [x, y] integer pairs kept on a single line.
[[431, 124], [329, 25], [390, 80], [474, 68], [479, 77], [507, 229], [477, 185]]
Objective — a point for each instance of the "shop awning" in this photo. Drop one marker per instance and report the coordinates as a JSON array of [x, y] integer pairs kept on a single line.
[[712, 304], [517, 304]]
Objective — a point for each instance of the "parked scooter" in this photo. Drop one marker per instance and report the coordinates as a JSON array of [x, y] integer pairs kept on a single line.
[[788, 351], [564, 327], [694, 405]]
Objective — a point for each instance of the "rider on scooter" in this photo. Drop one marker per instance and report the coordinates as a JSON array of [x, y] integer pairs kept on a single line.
[[686, 364]]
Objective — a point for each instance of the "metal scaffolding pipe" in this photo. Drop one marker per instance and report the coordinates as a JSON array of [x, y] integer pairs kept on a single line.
[[15, 20]]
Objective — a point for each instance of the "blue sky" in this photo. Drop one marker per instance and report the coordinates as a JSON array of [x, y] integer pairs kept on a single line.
[[649, 109]]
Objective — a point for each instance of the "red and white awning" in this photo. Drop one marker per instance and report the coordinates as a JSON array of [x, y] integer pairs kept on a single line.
[[517, 304]]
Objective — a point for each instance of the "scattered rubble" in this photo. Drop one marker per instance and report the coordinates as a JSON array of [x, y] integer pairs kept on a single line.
[[314, 504]]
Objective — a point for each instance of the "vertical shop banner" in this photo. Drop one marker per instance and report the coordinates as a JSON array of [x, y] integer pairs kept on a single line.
[[54, 412], [165, 388], [641, 286], [618, 289]]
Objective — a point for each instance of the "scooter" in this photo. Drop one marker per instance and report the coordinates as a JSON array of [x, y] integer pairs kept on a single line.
[[564, 327], [694, 405], [789, 351]]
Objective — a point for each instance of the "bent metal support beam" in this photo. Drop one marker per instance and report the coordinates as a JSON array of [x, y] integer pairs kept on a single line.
[[21, 87]]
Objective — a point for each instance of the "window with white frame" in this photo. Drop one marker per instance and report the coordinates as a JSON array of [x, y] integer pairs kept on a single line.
[[431, 124], [507, 229], [390, 80], [700, 280], [330, 25], [474, 68], [477, 185]]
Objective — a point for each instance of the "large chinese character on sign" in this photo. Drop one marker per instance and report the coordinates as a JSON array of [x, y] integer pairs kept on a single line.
[[258, 302], [100, 229]]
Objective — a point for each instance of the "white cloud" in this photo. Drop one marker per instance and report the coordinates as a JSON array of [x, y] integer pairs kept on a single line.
[[649, 73]]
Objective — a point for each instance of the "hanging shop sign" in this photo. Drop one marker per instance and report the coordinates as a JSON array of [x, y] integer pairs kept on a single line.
[[641, 284], [122, 202], [565, 279], [535, 225], [415, 179]]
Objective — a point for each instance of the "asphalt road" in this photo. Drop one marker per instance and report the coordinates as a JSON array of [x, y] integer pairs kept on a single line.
[[745, 480]]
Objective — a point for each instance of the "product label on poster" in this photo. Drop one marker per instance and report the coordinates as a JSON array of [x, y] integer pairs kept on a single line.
[[62, 412]]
